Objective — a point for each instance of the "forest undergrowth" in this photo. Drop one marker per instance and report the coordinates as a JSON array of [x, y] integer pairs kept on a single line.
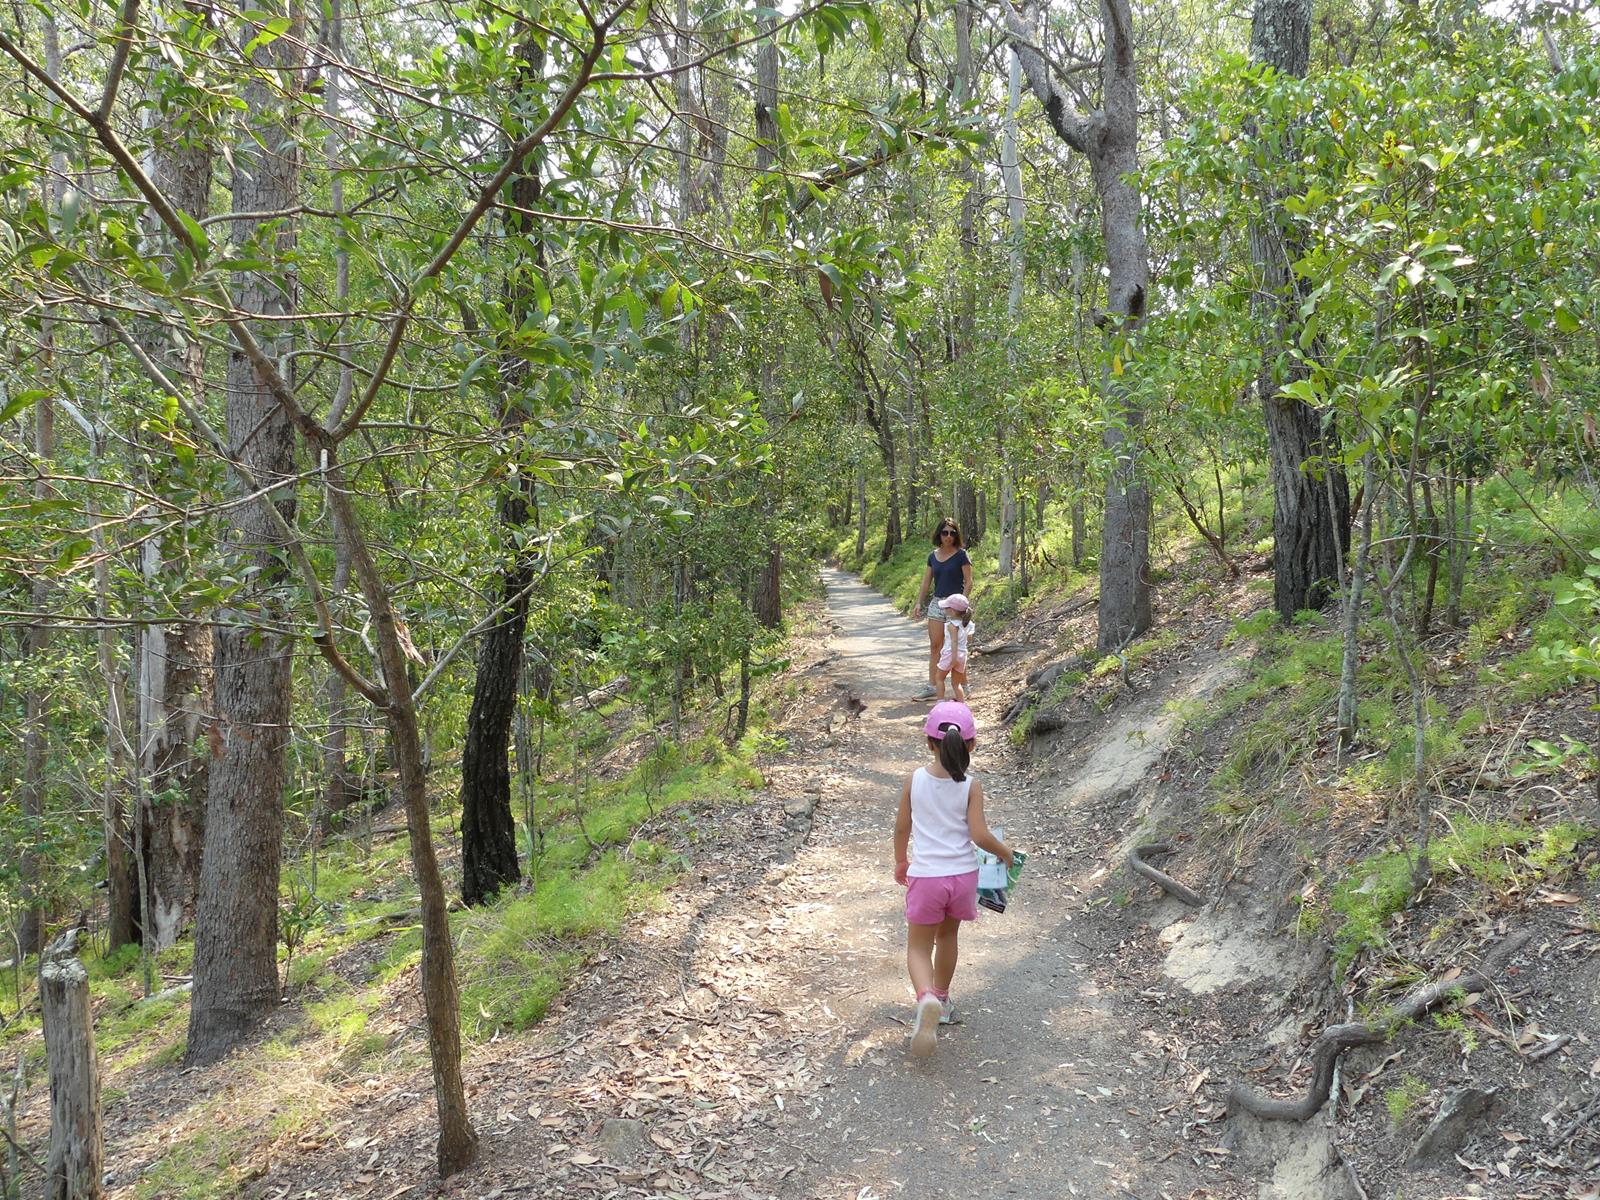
[[615, 816]]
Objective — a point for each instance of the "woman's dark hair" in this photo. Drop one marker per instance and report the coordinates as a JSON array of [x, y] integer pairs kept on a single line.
[[954, 756], [949, 523]]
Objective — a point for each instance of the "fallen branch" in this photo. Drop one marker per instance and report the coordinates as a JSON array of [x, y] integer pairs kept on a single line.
[[1336, 1039], [1137, 861], [1006, 648], [1549, 1048]]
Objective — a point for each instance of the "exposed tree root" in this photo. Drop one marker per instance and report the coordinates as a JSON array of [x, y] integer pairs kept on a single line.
[[1052, 720], [1336, 1039], [1136, 860]]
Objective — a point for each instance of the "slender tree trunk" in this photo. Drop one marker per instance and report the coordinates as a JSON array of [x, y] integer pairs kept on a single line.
[[458, 1142], [1080, 532], [36, 727], [340, 787], [1350, 619], [892, 531], [1016, 213], [1308, 551], [36, 636], [966, 497], [861, 510], [769, 585], [236, 927], [122, 894]]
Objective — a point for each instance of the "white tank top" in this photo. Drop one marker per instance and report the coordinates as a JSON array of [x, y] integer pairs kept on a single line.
[[941, 843]]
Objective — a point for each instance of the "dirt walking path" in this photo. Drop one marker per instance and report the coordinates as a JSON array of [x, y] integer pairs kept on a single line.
[[756, 1046], [1045, 1087]]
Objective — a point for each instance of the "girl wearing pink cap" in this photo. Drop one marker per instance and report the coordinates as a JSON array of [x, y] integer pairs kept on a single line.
[[939, 823], [958, 629]]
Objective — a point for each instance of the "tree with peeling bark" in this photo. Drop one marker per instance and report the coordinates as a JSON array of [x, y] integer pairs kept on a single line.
[[1107, 135]]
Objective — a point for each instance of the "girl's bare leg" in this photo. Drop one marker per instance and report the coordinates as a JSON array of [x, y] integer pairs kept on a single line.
[[958, 681], [919, 955], [935, 646], [938, 683], [944, 954]]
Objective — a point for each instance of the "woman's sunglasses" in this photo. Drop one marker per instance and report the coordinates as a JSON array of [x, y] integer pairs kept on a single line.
[[947, 533]]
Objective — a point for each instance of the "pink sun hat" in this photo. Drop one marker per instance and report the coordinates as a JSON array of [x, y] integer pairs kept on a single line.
[[957, 603], [947, 713]]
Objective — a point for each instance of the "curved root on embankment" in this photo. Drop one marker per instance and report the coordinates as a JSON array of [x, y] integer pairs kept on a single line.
[[1336, 1039], [1136, 861]]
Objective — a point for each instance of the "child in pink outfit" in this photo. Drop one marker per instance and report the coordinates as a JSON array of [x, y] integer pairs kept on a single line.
[[939, 822], [958, 630]]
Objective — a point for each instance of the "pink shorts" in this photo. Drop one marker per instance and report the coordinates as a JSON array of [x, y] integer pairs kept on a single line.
[[932, 898]]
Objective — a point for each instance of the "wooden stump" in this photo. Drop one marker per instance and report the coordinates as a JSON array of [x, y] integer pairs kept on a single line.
[[76, 1151]]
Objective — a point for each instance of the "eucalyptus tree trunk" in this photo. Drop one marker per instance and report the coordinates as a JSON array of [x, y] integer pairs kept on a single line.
[[1016, 213], [1309, 514], [236, 925], [1108, 137], [174, 692], [488, 829]]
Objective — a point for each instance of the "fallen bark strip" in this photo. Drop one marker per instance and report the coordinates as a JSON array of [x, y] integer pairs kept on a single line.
[[1336, 1039], [1137, 860]]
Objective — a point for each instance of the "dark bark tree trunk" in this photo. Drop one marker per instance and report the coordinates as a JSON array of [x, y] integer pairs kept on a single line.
[[893, 534], [861, 510], [236, 925], [769, 591], [1108, 137], [768, 601], [488, 829], [1310, 513]]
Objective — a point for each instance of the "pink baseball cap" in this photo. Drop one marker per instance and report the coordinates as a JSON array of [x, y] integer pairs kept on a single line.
[[958, 602], [947, 713]]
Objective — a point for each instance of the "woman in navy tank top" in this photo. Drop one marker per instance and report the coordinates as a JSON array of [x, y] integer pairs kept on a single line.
[[949, 572]]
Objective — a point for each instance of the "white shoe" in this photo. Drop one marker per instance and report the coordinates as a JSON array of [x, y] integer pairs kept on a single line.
[[947, 1012], [925, 1031]]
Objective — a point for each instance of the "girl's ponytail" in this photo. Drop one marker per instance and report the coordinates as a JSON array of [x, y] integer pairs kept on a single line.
[[953, 756]]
